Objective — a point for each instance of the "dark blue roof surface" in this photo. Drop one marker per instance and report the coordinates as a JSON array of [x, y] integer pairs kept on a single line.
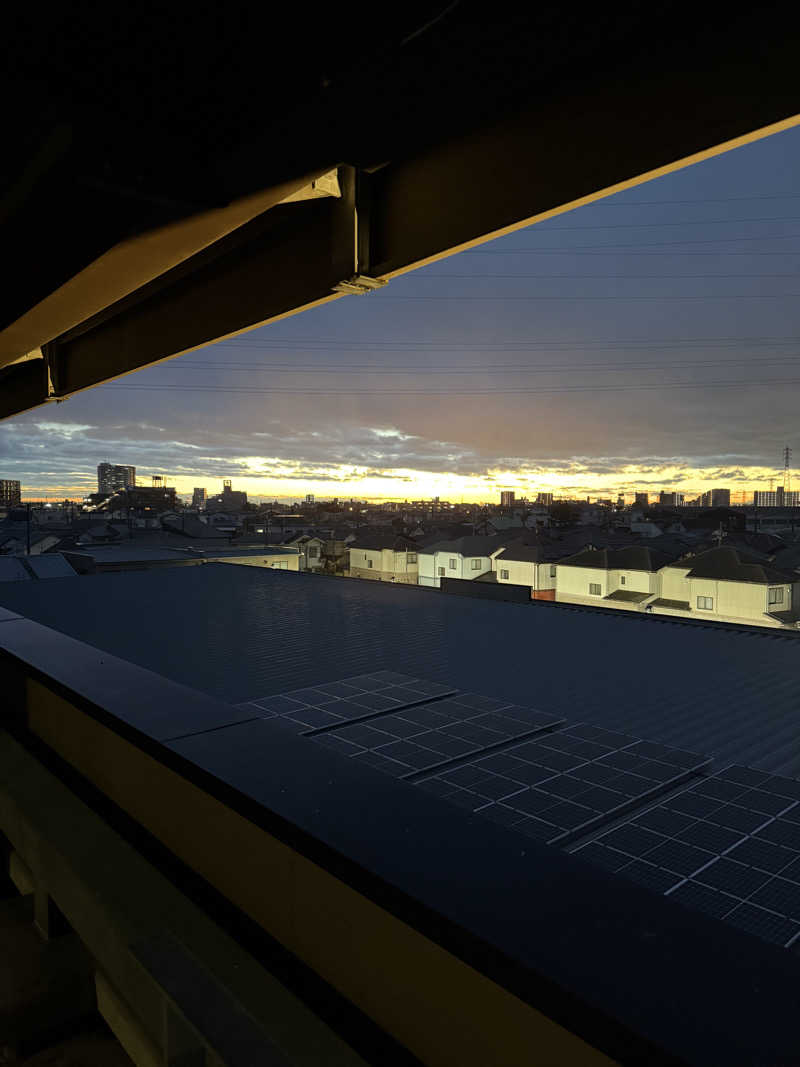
[[244, 633]]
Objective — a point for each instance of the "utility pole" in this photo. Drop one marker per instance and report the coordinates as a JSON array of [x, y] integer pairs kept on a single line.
[[28, 515]]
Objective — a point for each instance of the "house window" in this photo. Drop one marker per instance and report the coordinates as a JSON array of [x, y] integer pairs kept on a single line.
[[412, 557], [441, 572], [776, 595], [504, 575], [705, 603], [452, 564], [622, 579], [369, 563], [476, 564], [552, 570], [313, 553], [594, 589]]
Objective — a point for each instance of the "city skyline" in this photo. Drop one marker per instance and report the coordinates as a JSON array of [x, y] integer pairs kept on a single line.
[[640, 343]]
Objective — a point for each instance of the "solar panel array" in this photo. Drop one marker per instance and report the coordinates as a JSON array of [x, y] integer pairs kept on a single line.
[[728, 846], [336, 703], [416, 739], [559, 786], [401, 725]]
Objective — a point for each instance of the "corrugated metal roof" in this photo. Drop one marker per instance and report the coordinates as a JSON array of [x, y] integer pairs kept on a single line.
[[242, 633]]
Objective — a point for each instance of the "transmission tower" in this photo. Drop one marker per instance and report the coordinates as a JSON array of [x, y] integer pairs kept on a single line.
[[787, 474]]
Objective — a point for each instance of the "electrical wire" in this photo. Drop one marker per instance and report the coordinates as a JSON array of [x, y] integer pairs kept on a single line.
[[612, 277], [482, 368], [524, 345], [640, 244], [699, 200], [452, 392], [545, 223], [583, 297]]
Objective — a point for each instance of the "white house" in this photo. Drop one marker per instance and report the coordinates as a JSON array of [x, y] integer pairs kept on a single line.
[[727, 585], [525, 564], [610, 577], [383, 557], [466, 557]]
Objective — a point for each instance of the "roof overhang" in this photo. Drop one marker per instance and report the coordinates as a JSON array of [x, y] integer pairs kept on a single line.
[[332, 198]]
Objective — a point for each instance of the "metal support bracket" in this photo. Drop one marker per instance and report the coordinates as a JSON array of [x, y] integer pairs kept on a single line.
[[361, 281], [52, 367]]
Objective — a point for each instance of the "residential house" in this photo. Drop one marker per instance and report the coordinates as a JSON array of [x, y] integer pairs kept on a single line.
[[311, 551], [728, 585], [466, 557], [611, 577], [529, 565], [14, 540], [383, 557]]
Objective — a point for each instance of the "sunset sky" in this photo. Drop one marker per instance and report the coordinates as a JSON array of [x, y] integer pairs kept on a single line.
[[649, 341]]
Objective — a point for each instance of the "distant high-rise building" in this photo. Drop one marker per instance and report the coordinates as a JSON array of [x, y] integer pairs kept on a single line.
[[642, 499], [309, 498], [716, 498], [670, 500], [777, 498], [10, 492], [507, 498], [544, 498], [228, 500], [113, 476], [199, 497]]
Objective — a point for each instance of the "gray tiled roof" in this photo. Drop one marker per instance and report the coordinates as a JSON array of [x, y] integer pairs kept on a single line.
[[630, 558], [379, 540], [475, 546], [239, 633], [729, 564]]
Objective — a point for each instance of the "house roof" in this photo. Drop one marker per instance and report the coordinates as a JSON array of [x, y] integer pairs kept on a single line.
[[627, 596], [474, 545], [12, 570], [631, 558], [264, 616], [729, 564], [674, 605], [376, 541], [522, 552]]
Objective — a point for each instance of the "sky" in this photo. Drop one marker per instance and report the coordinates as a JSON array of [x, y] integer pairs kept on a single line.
[[649, 341]]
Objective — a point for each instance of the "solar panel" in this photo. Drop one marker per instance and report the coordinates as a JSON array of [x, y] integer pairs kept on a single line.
[[559, 786], [728, 846], [414, 739], [334, 703]]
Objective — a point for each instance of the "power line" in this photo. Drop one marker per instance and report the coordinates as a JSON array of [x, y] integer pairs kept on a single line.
[[615, 296], [612, 277], [545, 223], [700, 200], [546, 390], [482, 368], [638, 244], [527, 345]]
